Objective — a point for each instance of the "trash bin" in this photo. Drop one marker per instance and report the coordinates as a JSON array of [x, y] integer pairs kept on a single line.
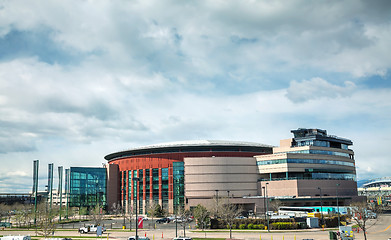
[[332, 235]]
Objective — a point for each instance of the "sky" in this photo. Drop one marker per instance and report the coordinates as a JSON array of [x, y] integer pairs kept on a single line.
[[83, 79]]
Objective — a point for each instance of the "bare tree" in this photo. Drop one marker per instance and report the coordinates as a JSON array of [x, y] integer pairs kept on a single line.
[[360, 214], [227, 211], [97, 215], [4, 211], [45, 220], [275, 205], [184, 215], [116, 209]]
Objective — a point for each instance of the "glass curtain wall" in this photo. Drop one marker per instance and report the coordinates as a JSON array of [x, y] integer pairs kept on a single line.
[[165, 188], [87, 187], [178, 185], [155, 185], [140, 191], [130, 191], [147, 188], [134, 189]]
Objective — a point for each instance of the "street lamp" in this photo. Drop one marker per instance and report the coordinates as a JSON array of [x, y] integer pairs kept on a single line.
[[136, 179], [228, 196], [267, 210], [264, 201], [338, 204], [217, 201], [123, 206], [321, 205]]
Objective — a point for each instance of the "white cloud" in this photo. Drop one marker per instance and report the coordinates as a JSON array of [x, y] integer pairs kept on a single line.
[[151, 71], [317, 88]]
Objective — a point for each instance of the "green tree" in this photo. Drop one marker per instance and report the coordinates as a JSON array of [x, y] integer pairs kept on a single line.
[[201, 214]]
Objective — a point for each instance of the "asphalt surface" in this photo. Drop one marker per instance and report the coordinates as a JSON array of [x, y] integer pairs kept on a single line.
[[377, 229]]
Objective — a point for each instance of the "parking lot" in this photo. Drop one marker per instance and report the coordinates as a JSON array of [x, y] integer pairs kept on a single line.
[[381, 229]]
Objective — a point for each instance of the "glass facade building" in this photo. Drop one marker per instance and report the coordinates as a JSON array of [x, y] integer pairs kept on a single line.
[[311, 154], [87, 187]]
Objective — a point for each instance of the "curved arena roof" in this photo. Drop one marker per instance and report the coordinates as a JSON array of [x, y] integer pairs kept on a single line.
[[192, 146], [378, 183]]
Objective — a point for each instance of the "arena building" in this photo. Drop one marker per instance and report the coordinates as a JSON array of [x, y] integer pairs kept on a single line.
[[161, 173], [311, 169]]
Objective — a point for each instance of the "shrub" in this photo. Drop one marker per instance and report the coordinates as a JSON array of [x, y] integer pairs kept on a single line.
[[242, 226], [283, 225], [251, 226]]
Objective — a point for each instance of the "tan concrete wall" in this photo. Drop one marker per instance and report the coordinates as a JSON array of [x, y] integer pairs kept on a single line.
[[328, 187], [280, 188], [309, 187], [203, 176]]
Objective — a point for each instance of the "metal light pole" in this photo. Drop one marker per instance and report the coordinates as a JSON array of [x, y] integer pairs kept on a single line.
[[264, 201], [176, 222], [321, 205], [228, 196], [217, 201], [267, 210], [123, 206], [338, 205], [136, 179]]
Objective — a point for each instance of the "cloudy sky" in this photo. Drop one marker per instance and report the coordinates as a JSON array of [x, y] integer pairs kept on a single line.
[[82, 79]]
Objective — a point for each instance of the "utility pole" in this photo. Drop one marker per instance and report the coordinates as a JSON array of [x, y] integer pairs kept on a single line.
[[338, 205], [321, 205], [136, 179]]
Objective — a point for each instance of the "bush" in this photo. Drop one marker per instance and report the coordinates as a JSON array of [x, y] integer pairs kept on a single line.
[[283, 225], [242, 226], [251, 226], [260, 226]]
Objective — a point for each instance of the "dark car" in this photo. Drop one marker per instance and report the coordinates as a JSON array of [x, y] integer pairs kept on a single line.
[[163, 220]]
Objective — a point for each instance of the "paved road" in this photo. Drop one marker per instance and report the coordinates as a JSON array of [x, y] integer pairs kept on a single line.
[[381, 229]]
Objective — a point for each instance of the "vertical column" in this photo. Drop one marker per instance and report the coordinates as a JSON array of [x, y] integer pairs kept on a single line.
[[150, 187], [144, 191], [160, 188], [170, 189]]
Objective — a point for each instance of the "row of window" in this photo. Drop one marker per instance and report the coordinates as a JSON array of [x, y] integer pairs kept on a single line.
[[322, 152], [311, 175], [320, 143], [306, 161]]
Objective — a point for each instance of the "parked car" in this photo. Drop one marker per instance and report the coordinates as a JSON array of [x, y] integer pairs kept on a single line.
[[5, 224], [183, 238], [179, 220], [163, 220], [90, 229], [139, 238]]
